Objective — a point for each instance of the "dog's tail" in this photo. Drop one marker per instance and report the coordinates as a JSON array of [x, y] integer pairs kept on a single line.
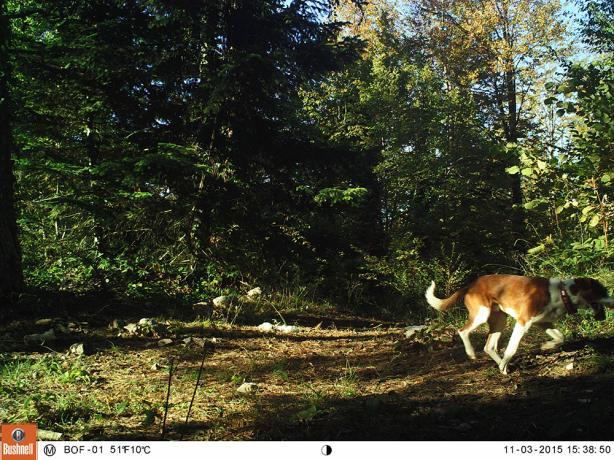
[[443, 304]]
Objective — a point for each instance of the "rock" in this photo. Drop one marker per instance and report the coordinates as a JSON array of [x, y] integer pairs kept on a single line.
[[283, 328], [40, 339], [569, 367], [247, 387], [253, 293], [367, 372], [222, 301], [164, 342], [147, 322], [44, 322], [62, 329], [8, 337], [45, 435], [203, 309], [194, 341], [156, 367], [132, 328], [77, 349], [116, 324], [265, 327], [411, 330]]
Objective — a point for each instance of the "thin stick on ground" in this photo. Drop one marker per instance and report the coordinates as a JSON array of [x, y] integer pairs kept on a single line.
[[168, 395], [200, 373]]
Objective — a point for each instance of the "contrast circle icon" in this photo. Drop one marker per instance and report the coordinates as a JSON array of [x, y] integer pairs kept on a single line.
[[327, 450]]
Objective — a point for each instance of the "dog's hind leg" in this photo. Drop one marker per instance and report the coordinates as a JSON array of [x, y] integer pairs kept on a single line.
[[472, 324], [496, 324]]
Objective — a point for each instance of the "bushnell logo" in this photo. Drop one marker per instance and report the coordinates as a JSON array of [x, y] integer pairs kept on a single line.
[[18, 435], [18, 442]]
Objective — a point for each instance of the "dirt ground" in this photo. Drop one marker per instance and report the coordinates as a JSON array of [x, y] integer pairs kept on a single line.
[[341, 379]]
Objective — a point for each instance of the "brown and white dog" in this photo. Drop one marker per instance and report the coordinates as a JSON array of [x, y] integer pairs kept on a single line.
[[529, 300]]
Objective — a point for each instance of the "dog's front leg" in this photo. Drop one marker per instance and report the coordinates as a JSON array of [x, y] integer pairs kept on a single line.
[[557, 339], [491, 346], [519, 331]]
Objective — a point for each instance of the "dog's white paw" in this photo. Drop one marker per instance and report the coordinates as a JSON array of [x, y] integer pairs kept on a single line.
[[551, 345]]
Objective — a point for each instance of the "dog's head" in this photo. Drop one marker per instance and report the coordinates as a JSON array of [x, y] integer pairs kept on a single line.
[[591, 292]]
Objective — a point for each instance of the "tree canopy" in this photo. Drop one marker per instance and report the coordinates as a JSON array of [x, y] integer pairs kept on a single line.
[[358, 148]]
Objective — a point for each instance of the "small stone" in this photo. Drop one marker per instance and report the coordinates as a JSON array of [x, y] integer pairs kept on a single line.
[[40, 339], [221, 301], [411, 330], [164, 342], [44, 322], [569, 366], [253, 293], [247, 387], [265, 327], [77, 349], [131, 328], [156, 367], [147, 322], [45, 435], [285, 329], [203, 309], [62, 329], [194, 341], [116, 324]]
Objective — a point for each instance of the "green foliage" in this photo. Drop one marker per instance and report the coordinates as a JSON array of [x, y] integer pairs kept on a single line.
[[165, 149], [405, 274], [46, 390], [333, 196], [571, 191]]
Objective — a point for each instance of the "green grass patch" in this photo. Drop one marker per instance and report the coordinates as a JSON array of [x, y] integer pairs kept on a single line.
[[584, 325], [48, 390]]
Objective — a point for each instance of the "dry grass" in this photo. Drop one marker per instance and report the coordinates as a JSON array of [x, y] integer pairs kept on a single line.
[[320, 382]]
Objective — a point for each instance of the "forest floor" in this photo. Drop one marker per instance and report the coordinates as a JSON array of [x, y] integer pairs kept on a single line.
[[332, 378]]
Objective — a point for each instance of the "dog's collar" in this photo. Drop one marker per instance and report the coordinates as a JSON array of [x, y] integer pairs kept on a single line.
[[569, 306]]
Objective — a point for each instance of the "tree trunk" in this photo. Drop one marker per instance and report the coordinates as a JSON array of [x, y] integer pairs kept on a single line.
[[100, 242], [512, 137], [11, 278]]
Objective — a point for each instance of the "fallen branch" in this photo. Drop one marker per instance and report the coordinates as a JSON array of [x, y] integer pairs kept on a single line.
[[168, 395], [200, 372]]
